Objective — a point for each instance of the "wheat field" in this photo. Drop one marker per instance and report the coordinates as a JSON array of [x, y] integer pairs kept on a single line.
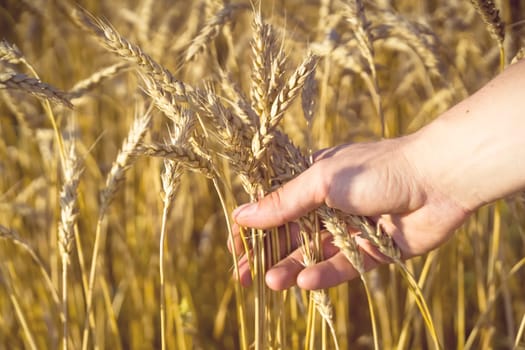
[[130, 129]]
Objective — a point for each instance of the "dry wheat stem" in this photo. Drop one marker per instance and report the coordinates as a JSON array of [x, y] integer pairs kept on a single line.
[[170, 179], [19, 81], [16, 305], [124, 160], [11, 235]]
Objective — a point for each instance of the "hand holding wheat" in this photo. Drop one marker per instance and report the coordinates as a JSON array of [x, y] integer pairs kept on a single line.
[[418, 191]]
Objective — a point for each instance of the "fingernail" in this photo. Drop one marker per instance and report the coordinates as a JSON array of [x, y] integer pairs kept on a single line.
[[244, 211]]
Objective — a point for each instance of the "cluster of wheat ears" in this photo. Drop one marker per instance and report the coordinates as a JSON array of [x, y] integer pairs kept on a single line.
[[125, 247]]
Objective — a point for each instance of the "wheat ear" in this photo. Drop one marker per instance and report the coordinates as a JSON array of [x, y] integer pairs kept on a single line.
[[116, 43], [490, 15], [68, 218], [212, 29], [281, 103], [19, 81], [170, 179], [10, 53], [97, 78]]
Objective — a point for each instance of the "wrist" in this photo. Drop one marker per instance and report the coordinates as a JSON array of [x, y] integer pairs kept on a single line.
[[472, 153]]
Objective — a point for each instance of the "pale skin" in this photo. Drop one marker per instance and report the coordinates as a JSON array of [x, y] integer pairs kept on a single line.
[[420, 187]]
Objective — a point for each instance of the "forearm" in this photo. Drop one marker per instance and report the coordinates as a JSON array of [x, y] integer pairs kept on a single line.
[[475, 152]]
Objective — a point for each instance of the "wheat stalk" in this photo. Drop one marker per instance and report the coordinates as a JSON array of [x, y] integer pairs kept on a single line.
[[125, 158], [170, 180], [310, 255], [13, 236]]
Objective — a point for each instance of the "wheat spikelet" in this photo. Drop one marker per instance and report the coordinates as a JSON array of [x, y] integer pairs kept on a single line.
[[380, 239], [281, 103], [68, 218], [519, 55], [125, 158], [165, 101], [88, 84], [308, 98], [182, 154], [337, 226], [19, 81], [230, 127], [10, 53], [68, 199], [239, 103], [179, 135], [490, 15], [260, 65], [212, 29], [287, 161]]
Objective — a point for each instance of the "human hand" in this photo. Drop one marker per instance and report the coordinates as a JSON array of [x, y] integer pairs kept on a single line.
[[379, 180]]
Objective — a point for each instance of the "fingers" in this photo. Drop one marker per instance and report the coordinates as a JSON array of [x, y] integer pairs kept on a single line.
[[287, 241], [334, 270], [287, 235], [296, 198], [283, 275]]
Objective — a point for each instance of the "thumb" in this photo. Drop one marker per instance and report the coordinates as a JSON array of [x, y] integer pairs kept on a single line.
[[293, 200]]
